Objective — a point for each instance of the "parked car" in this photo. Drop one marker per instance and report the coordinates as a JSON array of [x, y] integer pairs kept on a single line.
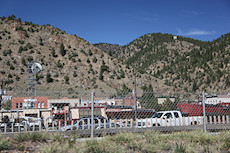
[[85, 123], [33, 122]]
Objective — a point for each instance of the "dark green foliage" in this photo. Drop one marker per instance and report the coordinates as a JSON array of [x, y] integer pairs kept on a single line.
[[3, 18], [17, 78], [49, 79], [82, 51], [12, 67], [101, 77], [66, 79], [74, 74], [194, 87], [12, 17], [88, 61], [94, 59], [62, 50], [122, 74], [9, 75], [103, 69], [124, 91], [168, 105], [8, 63], [90, 52], [59, 64], [21, 41], [29, 46], [7, 106], [7, 52], [40, 41], [148, 99], [30, 59], [22, 70], [151, 54], [20, 28], [53, 53], [27, 35], [23, 61]]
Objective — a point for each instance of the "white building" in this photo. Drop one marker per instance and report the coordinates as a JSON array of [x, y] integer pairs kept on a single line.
[[6, 98], [218, 99]]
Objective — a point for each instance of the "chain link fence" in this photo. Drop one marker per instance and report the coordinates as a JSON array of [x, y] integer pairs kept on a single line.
[[90, 113]]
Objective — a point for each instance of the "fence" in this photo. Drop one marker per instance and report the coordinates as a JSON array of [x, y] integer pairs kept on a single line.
[[94, 113]]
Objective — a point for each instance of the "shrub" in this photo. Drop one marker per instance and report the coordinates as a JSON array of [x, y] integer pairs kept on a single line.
[[49, 79], [30, 58], [20, 49], [88, 61], [94, 59], [74, 74], [9, 75], [41, 43], [34, 136], [6, 52], [62, 50], [21, 41], [17, 78], [66, 79], [12, 67], [90, 52], [4, 144]]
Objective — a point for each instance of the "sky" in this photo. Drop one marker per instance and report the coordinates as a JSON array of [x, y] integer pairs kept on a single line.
[[122, 21]]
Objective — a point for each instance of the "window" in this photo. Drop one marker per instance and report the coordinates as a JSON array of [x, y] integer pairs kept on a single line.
[[20, 105], [157, 115], [176, 114], [95, 121], [39, 105], [42, 105], [168, 115], [17, 105]]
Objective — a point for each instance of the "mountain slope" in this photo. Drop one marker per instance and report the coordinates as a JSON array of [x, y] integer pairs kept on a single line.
[[182, 63], [69, 62]]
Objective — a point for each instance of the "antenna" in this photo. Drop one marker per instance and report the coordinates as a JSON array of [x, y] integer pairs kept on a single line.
[[33, 69], [36, 68]]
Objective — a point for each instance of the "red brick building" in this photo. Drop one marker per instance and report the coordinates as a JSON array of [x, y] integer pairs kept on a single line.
[[25, 102]]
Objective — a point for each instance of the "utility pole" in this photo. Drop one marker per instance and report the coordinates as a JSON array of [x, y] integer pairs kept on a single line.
[[135, 94], [1, 93]]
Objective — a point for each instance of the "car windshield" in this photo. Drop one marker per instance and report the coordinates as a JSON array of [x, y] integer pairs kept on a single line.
[[157, 115]]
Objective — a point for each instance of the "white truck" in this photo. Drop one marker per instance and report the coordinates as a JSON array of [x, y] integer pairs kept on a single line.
[[170, 118]]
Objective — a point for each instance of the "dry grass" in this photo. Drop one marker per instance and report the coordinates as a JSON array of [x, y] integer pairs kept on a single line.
[[179, 142]]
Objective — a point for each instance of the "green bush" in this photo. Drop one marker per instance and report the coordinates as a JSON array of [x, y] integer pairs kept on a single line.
[[4, 144]]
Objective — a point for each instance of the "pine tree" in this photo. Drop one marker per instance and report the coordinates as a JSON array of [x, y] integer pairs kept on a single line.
[[62, 50], [148, 99], [48, 78]]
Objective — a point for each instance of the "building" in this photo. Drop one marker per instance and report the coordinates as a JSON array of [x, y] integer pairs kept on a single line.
[[161, 100], [5, 99], [61, 108], [29, 103], [175, 37], [214, 99]]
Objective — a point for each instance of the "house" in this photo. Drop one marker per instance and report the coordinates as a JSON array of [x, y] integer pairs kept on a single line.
[[218, 99], [29, 103], [161, 100]]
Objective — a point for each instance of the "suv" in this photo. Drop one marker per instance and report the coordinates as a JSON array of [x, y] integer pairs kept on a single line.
[[85, 123]]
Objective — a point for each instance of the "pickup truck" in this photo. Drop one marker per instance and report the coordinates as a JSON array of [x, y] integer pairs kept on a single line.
[[170, 118]]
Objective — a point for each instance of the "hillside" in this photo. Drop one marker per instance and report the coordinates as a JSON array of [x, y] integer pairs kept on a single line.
[[182, 63], [70, 64]]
